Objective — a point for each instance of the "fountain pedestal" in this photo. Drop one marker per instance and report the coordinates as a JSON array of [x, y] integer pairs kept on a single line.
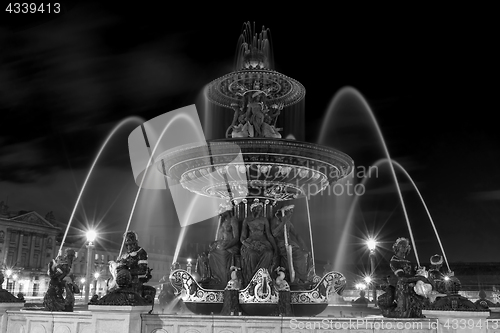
[[460, 321], [4, 307], [117, 319]]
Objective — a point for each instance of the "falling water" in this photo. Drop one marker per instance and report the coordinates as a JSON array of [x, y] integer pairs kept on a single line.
[[310, 233], [184, 225], [322, 134], [423, 203], [171, 305], [110, 135], [365, 180], [182, 234], [150, 160]]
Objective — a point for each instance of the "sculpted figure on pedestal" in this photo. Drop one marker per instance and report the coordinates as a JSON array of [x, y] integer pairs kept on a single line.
[[58, 269], [292, 248], [258, 249], [223, 250]]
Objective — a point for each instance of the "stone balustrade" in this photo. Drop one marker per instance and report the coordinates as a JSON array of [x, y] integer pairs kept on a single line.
[[128, 319]]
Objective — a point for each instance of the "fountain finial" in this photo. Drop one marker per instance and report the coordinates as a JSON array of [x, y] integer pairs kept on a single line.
[[254, 50]]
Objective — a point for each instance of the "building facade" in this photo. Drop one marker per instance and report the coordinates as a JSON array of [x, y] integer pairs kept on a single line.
[[29, 241], [27, 245]]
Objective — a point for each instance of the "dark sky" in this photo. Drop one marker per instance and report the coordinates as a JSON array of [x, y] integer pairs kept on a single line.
[[430, 79]]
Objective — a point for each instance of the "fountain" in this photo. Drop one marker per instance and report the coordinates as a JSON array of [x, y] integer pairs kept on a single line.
[[257, 174], [259, 264], [257, 190]]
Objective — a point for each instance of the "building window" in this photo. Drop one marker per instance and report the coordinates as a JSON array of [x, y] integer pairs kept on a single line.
[[10, 258], [37, 241], [23, 259], [25, 240], [35, 288], [13, 237], [49, 243], [2, 236]]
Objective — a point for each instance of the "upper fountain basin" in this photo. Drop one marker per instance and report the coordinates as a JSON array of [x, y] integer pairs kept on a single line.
[[274, 169]]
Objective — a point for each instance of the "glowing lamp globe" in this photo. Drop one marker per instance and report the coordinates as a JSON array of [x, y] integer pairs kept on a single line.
[[372, 244], [91, 235]]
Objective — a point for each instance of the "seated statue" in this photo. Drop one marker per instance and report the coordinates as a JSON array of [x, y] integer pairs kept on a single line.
[[361, 301], [292, 249], [258, 249], [483, 302], [130, 272], [223, 250], [135, 261], [58, 269], [407, 298], [241, 127]]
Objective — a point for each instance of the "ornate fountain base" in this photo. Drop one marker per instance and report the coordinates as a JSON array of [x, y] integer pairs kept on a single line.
[[260, 297]]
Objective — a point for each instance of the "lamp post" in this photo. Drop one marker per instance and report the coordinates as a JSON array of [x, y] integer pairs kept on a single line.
[[372, 245], [82, 283], [8, 272], [368, 281], [96, 277], [91, 236], [14, 280]]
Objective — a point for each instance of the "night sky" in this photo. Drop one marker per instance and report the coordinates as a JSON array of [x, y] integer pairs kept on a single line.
[[430, 79]]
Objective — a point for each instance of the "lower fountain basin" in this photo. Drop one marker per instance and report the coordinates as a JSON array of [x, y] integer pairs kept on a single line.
[[260, 297]]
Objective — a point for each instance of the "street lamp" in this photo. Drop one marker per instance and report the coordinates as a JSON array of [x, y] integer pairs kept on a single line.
[[372, 245], [14, 280], [368, 281], [82, 281], [91, 236], [96, 277], [8, 272]]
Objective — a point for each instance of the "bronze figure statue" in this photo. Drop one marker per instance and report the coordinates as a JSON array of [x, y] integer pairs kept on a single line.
[[258, 249]]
